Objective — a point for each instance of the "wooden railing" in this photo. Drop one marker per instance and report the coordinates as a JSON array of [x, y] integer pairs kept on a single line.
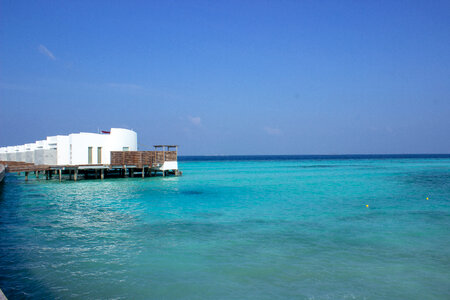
[[20, 166], [141, 158]]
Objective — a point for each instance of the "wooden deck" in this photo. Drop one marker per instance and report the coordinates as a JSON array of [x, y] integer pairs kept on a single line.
[[141, 158], [123, 164]]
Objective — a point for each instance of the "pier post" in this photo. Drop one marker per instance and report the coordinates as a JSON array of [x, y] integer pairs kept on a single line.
[[60, 175], [26, 176], [102, 174], [143, 172], [125, 172], [70, 174], [131, 172], [164, 173], [37, 174], [75, 175], [47, 174]]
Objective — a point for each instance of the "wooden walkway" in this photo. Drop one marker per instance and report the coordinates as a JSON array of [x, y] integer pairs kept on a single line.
[[123, 164]]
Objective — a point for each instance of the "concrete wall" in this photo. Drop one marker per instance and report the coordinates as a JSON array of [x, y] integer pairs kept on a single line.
[[115, 141], [20, 156], [63, 144], [11, 156], [45, 157], [169, 165], [72, 149], [29, 156]]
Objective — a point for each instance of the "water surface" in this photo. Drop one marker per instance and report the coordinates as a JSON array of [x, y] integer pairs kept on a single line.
[[246, 228]]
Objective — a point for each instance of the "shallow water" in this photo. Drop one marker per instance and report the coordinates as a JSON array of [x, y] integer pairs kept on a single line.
[[266, 229]]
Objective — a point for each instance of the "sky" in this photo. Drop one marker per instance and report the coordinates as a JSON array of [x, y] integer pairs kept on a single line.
[[230, 77]]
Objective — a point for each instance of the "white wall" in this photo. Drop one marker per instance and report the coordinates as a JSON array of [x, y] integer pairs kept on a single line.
[[80, 144], [115, 141], [169, 165], [72, 149], [63, 146]]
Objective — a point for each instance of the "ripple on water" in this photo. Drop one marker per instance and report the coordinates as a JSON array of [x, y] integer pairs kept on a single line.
[[241, 232]]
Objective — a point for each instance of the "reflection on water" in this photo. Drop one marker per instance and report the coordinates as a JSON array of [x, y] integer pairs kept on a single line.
[[233, 230]]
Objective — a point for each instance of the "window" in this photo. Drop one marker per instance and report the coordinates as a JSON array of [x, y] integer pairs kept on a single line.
[[125, 148], [99, 155], [90, 155]]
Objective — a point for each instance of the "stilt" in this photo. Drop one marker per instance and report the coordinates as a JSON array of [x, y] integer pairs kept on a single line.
[[70, 174], [26, 176], [75, 175], [102, 174], [125, 172], [143, 172], [37, 174], [164, 173], [96, 174], [47, 174], [60, 175], [131, 172]]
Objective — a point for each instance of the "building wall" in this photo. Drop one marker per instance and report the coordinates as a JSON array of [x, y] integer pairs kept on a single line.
[[45, 157], [80, 144], [169, 165], [72, 149], [11, 156], [29, 156], [63, 146]]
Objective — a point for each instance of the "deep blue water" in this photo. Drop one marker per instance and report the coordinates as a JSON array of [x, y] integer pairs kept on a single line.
[[236, 228]]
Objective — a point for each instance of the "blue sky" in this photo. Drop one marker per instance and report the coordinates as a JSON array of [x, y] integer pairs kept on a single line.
[[230, 77]]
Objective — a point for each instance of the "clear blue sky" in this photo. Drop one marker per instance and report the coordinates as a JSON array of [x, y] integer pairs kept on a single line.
[[230, 77]]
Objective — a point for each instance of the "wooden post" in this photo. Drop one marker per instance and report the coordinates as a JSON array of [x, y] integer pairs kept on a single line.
[[75, 175], [70, 174], [60, 175], [26, 176], [96, 174], [164, 173], [36, 173], [143, 172], [125, 172], [47, 174], [131, 172], [102, 174]]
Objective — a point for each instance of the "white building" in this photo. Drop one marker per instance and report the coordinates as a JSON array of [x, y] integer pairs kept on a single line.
[[74, 149]]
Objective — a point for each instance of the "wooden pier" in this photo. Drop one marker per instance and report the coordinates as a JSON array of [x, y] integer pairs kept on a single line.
[[123, 164]]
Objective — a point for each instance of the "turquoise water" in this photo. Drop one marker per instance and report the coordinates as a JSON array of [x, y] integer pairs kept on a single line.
[[245, 229]]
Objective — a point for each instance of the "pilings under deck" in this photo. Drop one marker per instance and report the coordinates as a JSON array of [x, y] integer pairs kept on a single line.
[[89, 171]]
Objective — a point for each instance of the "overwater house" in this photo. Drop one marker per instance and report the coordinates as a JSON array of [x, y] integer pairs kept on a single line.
[[113, 149]]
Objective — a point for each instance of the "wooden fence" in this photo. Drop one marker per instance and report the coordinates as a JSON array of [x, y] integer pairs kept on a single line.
[[141, 158]]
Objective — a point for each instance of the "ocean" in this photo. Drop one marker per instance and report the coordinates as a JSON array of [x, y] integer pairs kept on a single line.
[[240, 227]]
